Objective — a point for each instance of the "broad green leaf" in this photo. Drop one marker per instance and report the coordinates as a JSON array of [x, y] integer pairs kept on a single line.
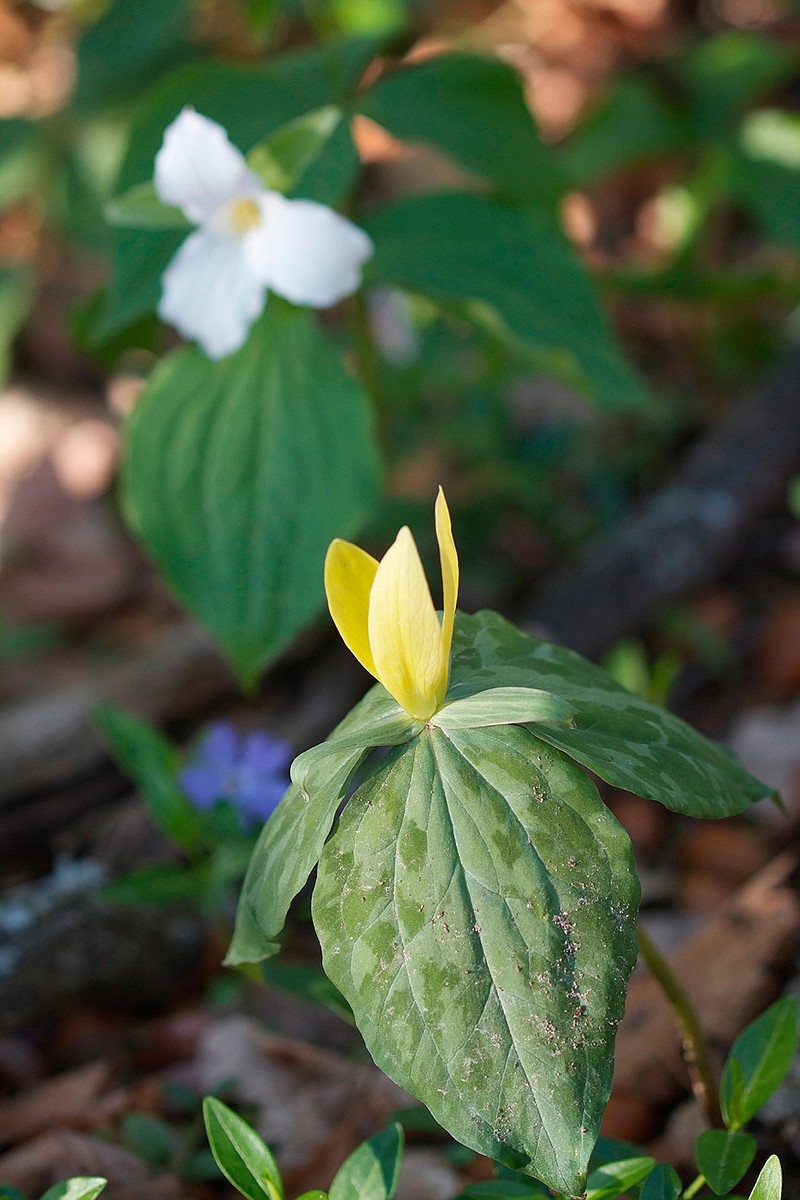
[[240, 1153], [610, 1181], [512, 273], [281, 159], [140, 208], [503, 706], [239, 473], [130, 45], [251, 103], [84, 1187], [631, 123], [474, 110], [151, 761], [476, 907], [766, 173], [291, 841], [769, 1185], [626, 741], [725, 74], [663, 1183], [758, 1062], [724, 1157], [372, 1170]]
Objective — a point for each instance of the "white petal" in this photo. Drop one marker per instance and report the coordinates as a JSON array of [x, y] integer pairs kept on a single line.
[[198, 168], [210, 294], [306, 252]]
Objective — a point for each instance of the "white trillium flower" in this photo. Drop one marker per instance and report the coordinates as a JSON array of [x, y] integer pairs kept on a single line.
[[249, 240]]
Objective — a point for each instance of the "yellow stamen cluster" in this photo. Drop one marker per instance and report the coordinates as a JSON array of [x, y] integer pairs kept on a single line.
[[243, 214]]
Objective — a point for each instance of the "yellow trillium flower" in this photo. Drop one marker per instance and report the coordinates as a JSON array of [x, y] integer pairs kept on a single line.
[[385, 614]]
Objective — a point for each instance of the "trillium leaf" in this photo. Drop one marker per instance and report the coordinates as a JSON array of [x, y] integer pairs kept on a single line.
[[769, 1185], [724, 1157], [513, 273], [291, 841], [758, 1062], [474, 110], [503, 706], [82, 1187], [240, 472], [140, 208], [476, 907], [628, 742]]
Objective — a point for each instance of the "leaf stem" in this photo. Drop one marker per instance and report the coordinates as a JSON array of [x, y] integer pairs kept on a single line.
[[695, 1046], [694, 1187]]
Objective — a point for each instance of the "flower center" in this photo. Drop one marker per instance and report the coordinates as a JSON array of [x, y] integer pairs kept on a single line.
[[243, 215]]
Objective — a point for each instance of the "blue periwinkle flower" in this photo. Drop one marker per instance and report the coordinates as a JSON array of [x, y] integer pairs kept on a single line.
[[250, 771]]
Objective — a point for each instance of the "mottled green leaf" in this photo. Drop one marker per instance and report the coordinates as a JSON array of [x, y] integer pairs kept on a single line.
[[758, 1062], [372, 1170], [626, 741], [503, 706], [723, 1157], [513, 273], [476, 907], [474, 110], [240, 1153], [291, 841], [239, 473]]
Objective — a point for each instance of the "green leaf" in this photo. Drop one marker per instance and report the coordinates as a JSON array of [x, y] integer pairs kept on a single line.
[[474, 110], [632, 123], [507, 1189], [628, 742], [151, 761], [769, 1185], [82, 1187], [724, 1157], [152, 1138], [512, 273], [476, 907], [7, 1192], [281, 159], [503, 706], [128, 47], [240, 1153], [372, 1171], [291, 841], [239, 473], [609, 1181], [663, 1183], [313, 1195], [758, 1062], [140, 208], [157, 884]]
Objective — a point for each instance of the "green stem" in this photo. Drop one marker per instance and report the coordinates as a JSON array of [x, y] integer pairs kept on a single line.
[[695, 1046], [694, 1187]]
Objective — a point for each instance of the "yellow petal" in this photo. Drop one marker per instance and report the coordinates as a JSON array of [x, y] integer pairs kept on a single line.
[[448, 556], [349, 576], [404, 631]]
